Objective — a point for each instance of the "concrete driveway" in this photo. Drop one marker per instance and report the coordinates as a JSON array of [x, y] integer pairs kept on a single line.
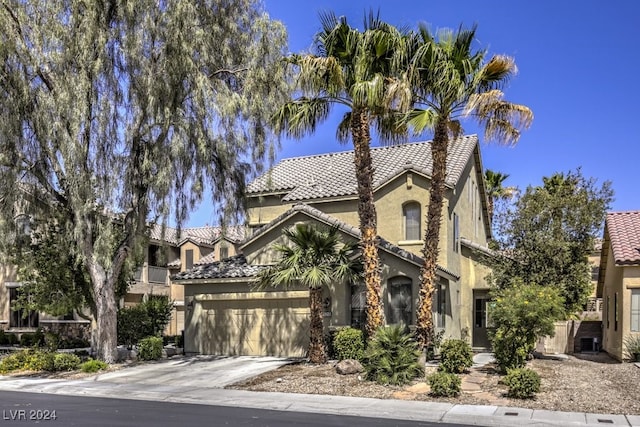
[[195, 371]]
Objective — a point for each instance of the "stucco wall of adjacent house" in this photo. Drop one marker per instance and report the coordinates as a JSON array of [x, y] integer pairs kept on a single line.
[[630, 281], [613, 284]]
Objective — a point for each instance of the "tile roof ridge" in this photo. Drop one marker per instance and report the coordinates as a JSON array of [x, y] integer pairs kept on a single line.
[[380, 147], [635, 212]]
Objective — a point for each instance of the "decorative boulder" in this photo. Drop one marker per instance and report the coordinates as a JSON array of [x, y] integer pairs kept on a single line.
[[349, 366]]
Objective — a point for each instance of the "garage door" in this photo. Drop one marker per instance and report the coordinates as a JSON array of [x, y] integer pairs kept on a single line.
[[255, 324]]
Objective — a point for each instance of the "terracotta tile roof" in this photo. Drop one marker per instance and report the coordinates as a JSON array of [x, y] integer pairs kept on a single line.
[[207, 235], [333, 174], [624, 233], [232, 267]]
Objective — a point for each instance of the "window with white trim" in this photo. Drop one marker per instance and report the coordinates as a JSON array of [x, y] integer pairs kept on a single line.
[[635, 310], [411, 215]]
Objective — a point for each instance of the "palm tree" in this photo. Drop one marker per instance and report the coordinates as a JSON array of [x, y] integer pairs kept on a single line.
[[450, 81], [495, 189], [316, 258], [352, 69]]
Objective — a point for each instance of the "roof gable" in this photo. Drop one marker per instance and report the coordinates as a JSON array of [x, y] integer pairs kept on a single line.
[[624, 234], [331, 221], [333, 174]]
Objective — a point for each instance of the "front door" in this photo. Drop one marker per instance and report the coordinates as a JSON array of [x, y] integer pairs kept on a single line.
[[480, 319]]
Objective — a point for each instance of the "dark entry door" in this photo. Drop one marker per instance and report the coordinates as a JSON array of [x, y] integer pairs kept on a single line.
[[480, 319]]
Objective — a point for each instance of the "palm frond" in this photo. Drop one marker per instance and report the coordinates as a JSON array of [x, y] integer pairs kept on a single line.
[[421, 120], [497, 72], [343, 132], [318, 74], [369, 93], [503, 120], [300, 117], [314, 257]]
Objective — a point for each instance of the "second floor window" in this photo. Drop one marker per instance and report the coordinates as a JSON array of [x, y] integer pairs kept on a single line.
[[224, 252], [188, 259], [411, 214]]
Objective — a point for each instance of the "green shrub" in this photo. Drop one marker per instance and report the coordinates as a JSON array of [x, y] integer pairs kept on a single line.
[[4, 340], [149, 318], [66, 362], [150, 348], [510, 349], [51, 341], [522, 313], [92, 365], [456, 356], [523, 383], [632, 347], [27, 339], [444, 384], [13, 362], [348, 343], [13, 339], [392, 357], [39, 360]]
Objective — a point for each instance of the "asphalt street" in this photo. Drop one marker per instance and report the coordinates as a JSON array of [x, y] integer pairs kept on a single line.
[[45, 409]]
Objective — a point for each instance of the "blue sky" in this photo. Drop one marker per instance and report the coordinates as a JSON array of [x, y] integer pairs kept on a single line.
[[579, 65]]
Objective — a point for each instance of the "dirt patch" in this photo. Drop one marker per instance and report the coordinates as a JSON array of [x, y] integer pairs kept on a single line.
[[586, 383]]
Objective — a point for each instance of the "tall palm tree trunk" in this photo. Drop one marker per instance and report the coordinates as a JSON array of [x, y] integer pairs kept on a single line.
[[439, 144], [368, 222], [317, 353]]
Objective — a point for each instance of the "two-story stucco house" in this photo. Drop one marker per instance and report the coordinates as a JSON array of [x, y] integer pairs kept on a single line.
[[224, 315]]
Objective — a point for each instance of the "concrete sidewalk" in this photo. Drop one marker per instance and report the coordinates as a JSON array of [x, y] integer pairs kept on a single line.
[[338, 405]]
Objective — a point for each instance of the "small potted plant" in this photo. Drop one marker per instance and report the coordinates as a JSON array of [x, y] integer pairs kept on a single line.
[[632, 345]]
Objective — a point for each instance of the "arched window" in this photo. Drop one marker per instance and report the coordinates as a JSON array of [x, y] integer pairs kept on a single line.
[[411, 214], [400, 301]]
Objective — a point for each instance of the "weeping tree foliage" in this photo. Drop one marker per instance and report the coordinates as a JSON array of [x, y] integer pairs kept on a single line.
[[548, 235], [54, 280], [315, 258], [451, 81], [353, 69], [113, 113]]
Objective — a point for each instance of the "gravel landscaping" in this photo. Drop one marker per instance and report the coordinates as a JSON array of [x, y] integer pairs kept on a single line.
[[592, 383]]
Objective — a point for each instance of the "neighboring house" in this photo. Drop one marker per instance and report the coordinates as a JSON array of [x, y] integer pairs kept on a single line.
[[593, 309], [167, 253], [225, 315], [619, 281], [170, 252], [19, 321]]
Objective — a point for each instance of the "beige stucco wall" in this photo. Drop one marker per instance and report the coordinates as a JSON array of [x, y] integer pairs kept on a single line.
[[613, 283]]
